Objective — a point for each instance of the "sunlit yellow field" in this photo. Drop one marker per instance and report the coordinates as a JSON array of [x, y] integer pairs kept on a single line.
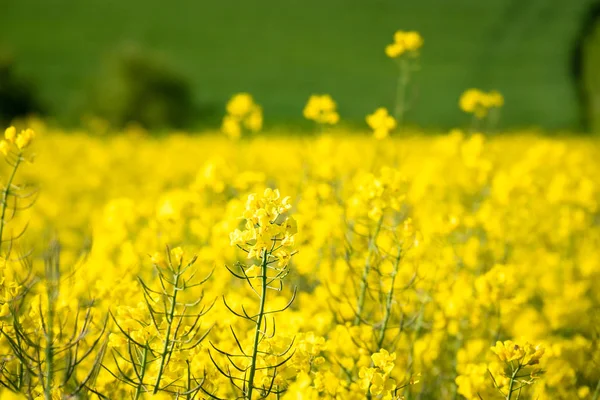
[[154, 267]]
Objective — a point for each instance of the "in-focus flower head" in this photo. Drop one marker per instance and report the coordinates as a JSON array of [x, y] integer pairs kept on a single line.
[[526, 354], [384, 360], [265, 226], [13, 140]]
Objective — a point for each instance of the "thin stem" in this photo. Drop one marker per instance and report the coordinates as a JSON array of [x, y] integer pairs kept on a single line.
[[138, 389], [596, 395], [50, 340], [475, 123], [365, 275], [402, 84], [512, 382], [169, 318], [260, 316], [388, 311], [19, 376], [389, 301], [5, 194]]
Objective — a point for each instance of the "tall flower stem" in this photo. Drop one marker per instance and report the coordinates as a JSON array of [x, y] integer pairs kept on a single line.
[[511, 385], [365, 275], [170, 316], [263, 297], [5, 194], [389, 300], [401, 86], [138, 389]]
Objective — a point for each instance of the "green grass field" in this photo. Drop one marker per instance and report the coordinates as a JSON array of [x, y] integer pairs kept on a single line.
[[282, 51]]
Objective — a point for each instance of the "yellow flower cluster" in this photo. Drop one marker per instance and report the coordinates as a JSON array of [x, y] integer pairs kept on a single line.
[[321, 109], [523, 354], [432, 248], [242, 113], [264, 228], [376, 380], [401, 267], [477, 102], [381, 122], [404, 43], [13, 140]]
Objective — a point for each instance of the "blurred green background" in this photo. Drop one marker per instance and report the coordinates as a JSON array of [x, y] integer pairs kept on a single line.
[[282, 51]]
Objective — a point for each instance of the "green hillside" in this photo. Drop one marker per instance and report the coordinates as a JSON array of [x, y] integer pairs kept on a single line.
[[282, 51]]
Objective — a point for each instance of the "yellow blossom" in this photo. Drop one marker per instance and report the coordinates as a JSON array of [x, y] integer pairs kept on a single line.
[[321, 109], [381, 123]]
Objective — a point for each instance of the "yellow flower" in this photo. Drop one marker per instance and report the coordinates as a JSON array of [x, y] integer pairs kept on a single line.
[[254, 121], [6, 394], [263, 225], [240, 105], [4, 147], [158, 259], [508, 351], [381, 122], [469, 99], [321, 109], [394, 50], [494, 99], [404, 42], [10, 134], [366, 376], [479, 103], [25, 138], [242, 111], [4, 310], [381, 383], [533, 354], [252, 272], [177, 255], [384, 360], [231, 127]]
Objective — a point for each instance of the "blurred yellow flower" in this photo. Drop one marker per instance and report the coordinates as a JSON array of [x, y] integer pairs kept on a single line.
[[381, 122], [242, 112], [10, 134], [321, 109], [404, 42], [477, 102]]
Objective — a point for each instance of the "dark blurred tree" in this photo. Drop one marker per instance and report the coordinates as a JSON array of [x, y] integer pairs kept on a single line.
[[585, 68], [18, 96], [140, 87]]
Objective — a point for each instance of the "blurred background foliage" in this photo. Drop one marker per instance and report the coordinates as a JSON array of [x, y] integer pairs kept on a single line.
[[135, 85], [185, 58], [18, 95]]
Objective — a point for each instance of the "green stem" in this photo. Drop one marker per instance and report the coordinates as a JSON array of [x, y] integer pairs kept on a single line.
[[138, 389], [263, 297], [163, 357], [50, 341], [19, 376], [365, 275], [389, 300], [512, 383], [402, 84], [189, 381], [5, 194], [475, 123], [596, 395], [388, 311]]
